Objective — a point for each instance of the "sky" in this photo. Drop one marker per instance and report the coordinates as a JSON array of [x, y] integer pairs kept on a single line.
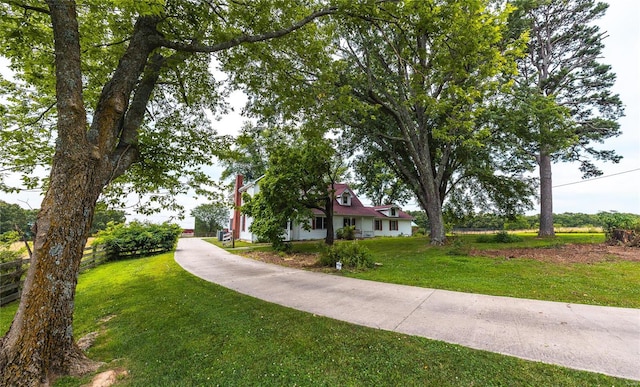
[[617, 190]]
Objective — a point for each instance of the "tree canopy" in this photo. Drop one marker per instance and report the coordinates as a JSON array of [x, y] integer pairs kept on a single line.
[[563, 101], [300, 175], [112, 97], [210, 217]]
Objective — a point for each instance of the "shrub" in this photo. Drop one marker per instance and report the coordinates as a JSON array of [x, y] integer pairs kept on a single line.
[[500, 237], [459, 247], [351, 254], [9, 237], [612, 221], [347, 232], [137, 239]]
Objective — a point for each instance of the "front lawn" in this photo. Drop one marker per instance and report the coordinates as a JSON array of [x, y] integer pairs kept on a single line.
[[169, 328], [412, 261]]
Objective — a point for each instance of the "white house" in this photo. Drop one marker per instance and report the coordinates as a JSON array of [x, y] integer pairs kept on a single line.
[[369, 222]]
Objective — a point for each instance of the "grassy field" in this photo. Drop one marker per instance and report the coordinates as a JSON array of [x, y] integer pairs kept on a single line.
[[410, 261], [169, 328]]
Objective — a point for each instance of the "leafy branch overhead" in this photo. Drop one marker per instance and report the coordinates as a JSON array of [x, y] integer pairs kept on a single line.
[[111, 97], [148, 92]]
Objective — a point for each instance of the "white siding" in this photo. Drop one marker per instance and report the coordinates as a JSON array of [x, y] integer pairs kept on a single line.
[[404, 228]]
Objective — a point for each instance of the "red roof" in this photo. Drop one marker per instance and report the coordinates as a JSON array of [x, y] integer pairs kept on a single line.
[[357, 208]]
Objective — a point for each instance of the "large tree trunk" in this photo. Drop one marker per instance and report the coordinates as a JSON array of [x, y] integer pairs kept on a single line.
[[430, 202], [40, 343], [329, 239], [437, 232], [546, 197]]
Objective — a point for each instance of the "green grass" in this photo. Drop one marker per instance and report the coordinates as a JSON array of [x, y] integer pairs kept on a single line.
[[171, 328], [412, 261]]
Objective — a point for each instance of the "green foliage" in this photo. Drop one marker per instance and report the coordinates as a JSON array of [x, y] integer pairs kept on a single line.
[[375, 180], [499, 237], [351, 254], [103, 216], [7, 255], [176, 138], [301, 169], [460, 247], [12, 215], [210, 217], [137, 239], [616, 220], [346, 232], [564, 95], [6, 239]]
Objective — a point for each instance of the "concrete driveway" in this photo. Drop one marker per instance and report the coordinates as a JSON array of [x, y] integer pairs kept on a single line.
[[585, 337]]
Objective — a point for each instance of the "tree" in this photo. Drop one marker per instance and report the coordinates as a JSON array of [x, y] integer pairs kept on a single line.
[[103, 216], [300, 177], [378, 182], [210, 217], [416, 79], [12, 216], [248, 155], [113, 62], [409, 81], [563, 92]]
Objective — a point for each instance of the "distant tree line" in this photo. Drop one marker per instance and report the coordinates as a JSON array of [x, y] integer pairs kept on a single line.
[[520, 222], [12, 216]]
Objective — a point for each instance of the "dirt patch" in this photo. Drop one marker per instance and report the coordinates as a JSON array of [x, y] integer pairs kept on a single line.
[[107, 378], [307, 261], [570, 253]]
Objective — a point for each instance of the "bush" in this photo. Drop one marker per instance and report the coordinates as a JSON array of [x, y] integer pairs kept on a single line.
[[612, 221], [347, 232], [137, 239], [9, 237], [459, 247], [500, 237], [351, 254]]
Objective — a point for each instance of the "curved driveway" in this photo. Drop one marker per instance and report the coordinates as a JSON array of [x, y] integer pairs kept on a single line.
[[585, 337]]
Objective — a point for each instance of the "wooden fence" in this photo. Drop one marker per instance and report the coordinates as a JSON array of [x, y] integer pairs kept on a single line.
[[12, 273]]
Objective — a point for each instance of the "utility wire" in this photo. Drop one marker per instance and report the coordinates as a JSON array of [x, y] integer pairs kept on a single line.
[[597, 178]]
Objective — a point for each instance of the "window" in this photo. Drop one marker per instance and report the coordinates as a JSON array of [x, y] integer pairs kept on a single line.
[[319, 223], [349, 222], [244, 221], [393, 212], [378, 225], [393, 225]]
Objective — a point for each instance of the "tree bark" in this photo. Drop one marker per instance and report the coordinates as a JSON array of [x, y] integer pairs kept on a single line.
[[329, 239], [39, 344], [437, 233], [546, 196]]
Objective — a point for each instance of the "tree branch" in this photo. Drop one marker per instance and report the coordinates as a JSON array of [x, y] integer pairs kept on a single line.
[[30, 7], [197, 47]]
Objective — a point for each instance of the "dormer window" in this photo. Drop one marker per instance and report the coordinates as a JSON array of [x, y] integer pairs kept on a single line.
[[393, 212], [345, 199]]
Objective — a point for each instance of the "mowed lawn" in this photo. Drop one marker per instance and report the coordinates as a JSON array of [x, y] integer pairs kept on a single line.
[[169, 328], [411, 261]]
